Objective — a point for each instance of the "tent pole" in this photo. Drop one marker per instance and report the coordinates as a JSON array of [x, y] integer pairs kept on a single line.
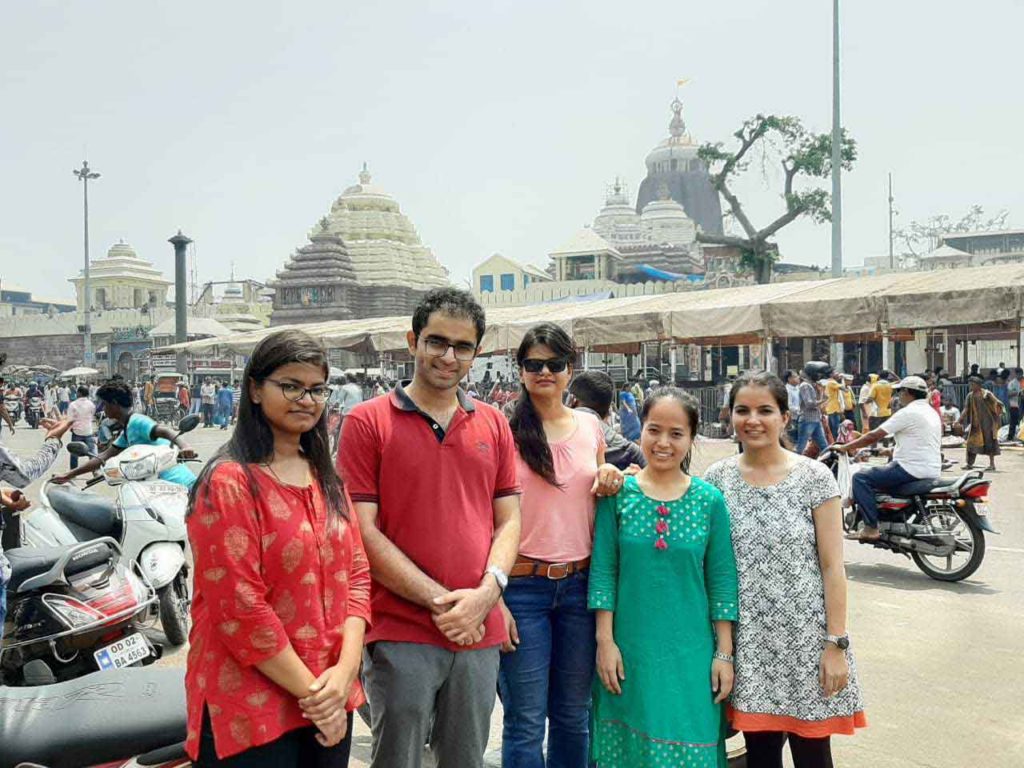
[[886, 362]]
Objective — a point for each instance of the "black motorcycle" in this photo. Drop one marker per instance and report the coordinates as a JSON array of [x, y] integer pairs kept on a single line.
[[72, 610], [939, 524], [34, 411]]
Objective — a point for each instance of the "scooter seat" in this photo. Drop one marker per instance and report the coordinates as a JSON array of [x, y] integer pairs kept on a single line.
[[27, 562], [88, 510], [99, 718]]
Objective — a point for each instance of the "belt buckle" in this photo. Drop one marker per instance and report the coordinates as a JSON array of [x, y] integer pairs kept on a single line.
[[563, 566]]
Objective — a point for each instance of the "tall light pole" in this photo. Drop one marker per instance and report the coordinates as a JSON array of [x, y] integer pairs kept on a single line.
[[85, 174], [837, 153]]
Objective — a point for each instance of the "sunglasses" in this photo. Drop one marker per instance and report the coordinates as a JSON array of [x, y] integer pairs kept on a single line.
[[554, 365]]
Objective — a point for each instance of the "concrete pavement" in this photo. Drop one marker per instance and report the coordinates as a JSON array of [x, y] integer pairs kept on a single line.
[[940, 663]]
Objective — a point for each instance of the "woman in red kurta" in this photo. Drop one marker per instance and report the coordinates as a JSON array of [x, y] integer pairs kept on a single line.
[[281, 578]]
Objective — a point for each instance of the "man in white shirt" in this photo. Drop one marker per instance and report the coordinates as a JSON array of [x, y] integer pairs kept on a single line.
[[793, 390], [918, 454], [351, 394], [63, 398], [950, 415], [81, 413]]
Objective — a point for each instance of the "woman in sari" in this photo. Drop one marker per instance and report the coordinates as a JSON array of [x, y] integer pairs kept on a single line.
[[982, 416]]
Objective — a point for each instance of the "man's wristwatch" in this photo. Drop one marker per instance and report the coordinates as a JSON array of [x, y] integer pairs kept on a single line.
[[842, 642], [499, 576]]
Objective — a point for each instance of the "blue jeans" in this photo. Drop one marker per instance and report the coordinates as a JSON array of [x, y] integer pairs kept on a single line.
[[834, 421], [810, 430], [548, 678], [3, 606], [89, 440], [876, 480]]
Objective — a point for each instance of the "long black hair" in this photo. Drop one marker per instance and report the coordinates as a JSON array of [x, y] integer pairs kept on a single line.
[[527, 427], [253, 439], [690, 407]]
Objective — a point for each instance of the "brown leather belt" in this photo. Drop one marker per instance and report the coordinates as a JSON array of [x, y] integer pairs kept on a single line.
[[527, 566]]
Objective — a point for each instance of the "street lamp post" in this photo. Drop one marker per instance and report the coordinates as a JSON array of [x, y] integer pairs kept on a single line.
[[85, 174]]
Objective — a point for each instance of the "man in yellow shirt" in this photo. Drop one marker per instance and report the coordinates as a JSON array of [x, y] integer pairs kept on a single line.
[[834, 402], [881, 396]]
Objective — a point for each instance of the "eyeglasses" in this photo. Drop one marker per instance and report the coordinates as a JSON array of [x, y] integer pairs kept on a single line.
[[294, 392], [437, 346], [554, 365]]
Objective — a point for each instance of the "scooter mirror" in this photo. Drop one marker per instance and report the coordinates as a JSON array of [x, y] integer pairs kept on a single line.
[[189, 423], [79, 449]]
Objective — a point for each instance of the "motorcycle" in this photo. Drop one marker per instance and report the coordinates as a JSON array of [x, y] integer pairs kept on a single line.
[[147, 518], [34, 411], [939, 524], [72, 610], [115, 719]]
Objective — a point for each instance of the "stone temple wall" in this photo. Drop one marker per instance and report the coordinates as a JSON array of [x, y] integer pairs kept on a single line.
[[62, 351]]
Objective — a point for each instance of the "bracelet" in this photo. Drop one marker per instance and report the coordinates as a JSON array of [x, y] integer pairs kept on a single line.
[[728, 659]]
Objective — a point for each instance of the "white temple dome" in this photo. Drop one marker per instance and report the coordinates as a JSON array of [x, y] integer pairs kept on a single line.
[[382, 242], [665, 221], [121, 249]]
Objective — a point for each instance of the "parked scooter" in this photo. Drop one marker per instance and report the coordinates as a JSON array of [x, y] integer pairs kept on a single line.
[[940, 524], [72, 610], [147, 517], [117, 719]]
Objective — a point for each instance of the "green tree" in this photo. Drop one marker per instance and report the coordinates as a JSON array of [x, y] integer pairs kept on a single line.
[[804, 156]]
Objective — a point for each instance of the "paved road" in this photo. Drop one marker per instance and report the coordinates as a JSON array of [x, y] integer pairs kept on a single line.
[[941, 664]]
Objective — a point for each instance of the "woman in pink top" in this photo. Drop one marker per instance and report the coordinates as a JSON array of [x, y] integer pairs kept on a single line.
[[548, 665]]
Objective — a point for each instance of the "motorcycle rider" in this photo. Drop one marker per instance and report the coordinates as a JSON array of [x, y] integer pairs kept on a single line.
[[34, 391], [918, 454], [138, 429], [20, 473]]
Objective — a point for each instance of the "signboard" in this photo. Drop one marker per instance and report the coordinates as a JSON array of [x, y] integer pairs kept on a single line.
[[132, 333]]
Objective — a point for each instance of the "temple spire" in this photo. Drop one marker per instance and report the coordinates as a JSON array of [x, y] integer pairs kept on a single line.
[[364, 175]]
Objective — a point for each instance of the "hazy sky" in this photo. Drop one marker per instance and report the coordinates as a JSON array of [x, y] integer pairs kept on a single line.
[[496, 125]]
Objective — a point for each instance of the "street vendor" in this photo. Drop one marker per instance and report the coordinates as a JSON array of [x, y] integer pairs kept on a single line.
[[138, 429]]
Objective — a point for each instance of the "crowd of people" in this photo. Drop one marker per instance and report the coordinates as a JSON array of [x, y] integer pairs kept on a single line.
[[543, 541]]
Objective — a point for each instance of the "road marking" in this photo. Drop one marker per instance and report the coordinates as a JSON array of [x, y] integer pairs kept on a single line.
[[1012, 550]]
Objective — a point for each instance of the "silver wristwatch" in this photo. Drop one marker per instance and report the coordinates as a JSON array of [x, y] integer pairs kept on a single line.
[[499, 576], [842, 642]]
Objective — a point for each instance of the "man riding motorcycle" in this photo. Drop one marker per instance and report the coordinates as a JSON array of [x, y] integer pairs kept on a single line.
[[918, 454], [139, 429]]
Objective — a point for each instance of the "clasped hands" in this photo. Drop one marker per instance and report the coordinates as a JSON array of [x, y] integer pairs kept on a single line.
[[325, 704], [461, 613]]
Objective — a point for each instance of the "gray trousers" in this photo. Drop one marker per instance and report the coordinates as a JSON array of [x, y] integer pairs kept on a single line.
[[419, 692]]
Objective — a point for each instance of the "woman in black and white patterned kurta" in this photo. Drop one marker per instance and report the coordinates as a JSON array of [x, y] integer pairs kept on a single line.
[[791, 680]]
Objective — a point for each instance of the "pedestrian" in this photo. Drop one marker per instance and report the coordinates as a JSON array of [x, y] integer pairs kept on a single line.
[[810, 426], [195, 397], [351, 394], [796, 679], [282, 581], [208, 397], [225, 404], [846, 390], [183, 397], [982, 414], [433, 478], [629, 414], [881, 396], [148, 398], [663, 584], [792, 379], [950, 415], [63, 398], [834, 401], [866, 404], [81, 414], [548, 665], [1013, 387], [593, 392]]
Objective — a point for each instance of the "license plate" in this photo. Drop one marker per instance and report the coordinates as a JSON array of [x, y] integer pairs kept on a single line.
[[981, 509], [123, 653]]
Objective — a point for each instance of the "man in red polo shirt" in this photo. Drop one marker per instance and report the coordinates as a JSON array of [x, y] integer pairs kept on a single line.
[[432, 475]]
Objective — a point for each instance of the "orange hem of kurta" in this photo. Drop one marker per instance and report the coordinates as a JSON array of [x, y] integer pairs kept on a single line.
[[809, 729]]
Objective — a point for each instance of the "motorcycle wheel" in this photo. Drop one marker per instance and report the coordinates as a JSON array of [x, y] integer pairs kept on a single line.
[[174, 602], [969, 537]]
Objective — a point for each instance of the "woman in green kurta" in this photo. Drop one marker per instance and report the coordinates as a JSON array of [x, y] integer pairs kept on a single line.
[[663, 583]]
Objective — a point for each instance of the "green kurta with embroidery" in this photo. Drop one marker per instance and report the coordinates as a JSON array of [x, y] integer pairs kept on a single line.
[[664, 597]]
